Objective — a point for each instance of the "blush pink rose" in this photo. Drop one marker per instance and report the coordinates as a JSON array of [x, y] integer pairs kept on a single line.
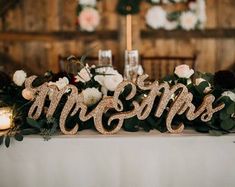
[[27, 94], [183, 71], [89, 19]]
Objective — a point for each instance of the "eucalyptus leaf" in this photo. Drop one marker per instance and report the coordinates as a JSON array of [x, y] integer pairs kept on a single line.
[[29, 131], [231, 109], [227, 124], [34, 123], [19, 137], [223, 115], [7, 141]]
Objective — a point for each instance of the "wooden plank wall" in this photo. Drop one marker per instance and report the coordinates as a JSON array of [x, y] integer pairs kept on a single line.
[[60, 15]]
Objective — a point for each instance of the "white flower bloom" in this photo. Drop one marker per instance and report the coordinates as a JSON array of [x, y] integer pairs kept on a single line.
[[19, 77], [111, 82], [89, 19], [170, 25], [229, 94], [188, 20], [156, 17], [91, 96], [61, 83], [183, 71], [84, 75], [87, 2], [199, 81], [110, 79]]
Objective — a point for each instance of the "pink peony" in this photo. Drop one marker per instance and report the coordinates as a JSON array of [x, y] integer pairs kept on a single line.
[[89, 19]]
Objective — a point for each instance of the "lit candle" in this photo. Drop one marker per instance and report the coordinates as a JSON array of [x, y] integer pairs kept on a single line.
[[5, 118], [129, 32]]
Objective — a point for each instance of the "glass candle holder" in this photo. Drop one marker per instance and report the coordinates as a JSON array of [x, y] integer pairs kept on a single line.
[[105, 58], [131, 64], [5, 118]]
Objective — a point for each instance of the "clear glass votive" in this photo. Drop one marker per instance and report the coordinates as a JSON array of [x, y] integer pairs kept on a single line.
[[105, 58], [131, 65]]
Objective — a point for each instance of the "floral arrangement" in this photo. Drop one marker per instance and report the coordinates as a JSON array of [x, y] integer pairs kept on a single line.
[[88, 16], [193, 18], [96, 83]]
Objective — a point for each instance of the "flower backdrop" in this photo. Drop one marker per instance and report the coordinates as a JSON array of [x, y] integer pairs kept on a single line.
[[191, 16]]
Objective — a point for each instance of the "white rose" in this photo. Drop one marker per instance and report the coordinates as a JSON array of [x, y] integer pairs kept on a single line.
[[84, 75], [19, 77], [87, 2], [229, 94], [156, 17], [183, 71], [199, 81], [91, 96], [61, 83], [188, 20]]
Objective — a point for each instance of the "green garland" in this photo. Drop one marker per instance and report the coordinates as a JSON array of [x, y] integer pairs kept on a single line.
[[222, 86]]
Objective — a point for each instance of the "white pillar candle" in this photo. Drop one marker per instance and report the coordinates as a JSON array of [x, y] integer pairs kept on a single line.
[[5, 118]]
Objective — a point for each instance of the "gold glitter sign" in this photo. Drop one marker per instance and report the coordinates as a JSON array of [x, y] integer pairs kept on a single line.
[[74, 105]]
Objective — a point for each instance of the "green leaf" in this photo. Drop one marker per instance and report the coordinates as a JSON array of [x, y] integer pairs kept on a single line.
[[203, 128], [227, 124], [223, 115], [29, 131], [215, 133], [1, 139], [19, 137], [201, 87], [7, 141], [231, 109], [33, 123]]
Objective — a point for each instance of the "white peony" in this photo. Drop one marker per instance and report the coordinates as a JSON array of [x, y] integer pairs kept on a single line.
[[87, 2], [111, 78], [229, 94], [61, 83], [156, 17], [84, 75], [199, 81], [188, 20], [91, 96], [111, 82], [183, 71], [19, 77]]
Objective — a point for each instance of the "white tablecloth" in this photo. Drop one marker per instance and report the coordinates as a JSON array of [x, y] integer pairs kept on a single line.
[[126, 159]]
